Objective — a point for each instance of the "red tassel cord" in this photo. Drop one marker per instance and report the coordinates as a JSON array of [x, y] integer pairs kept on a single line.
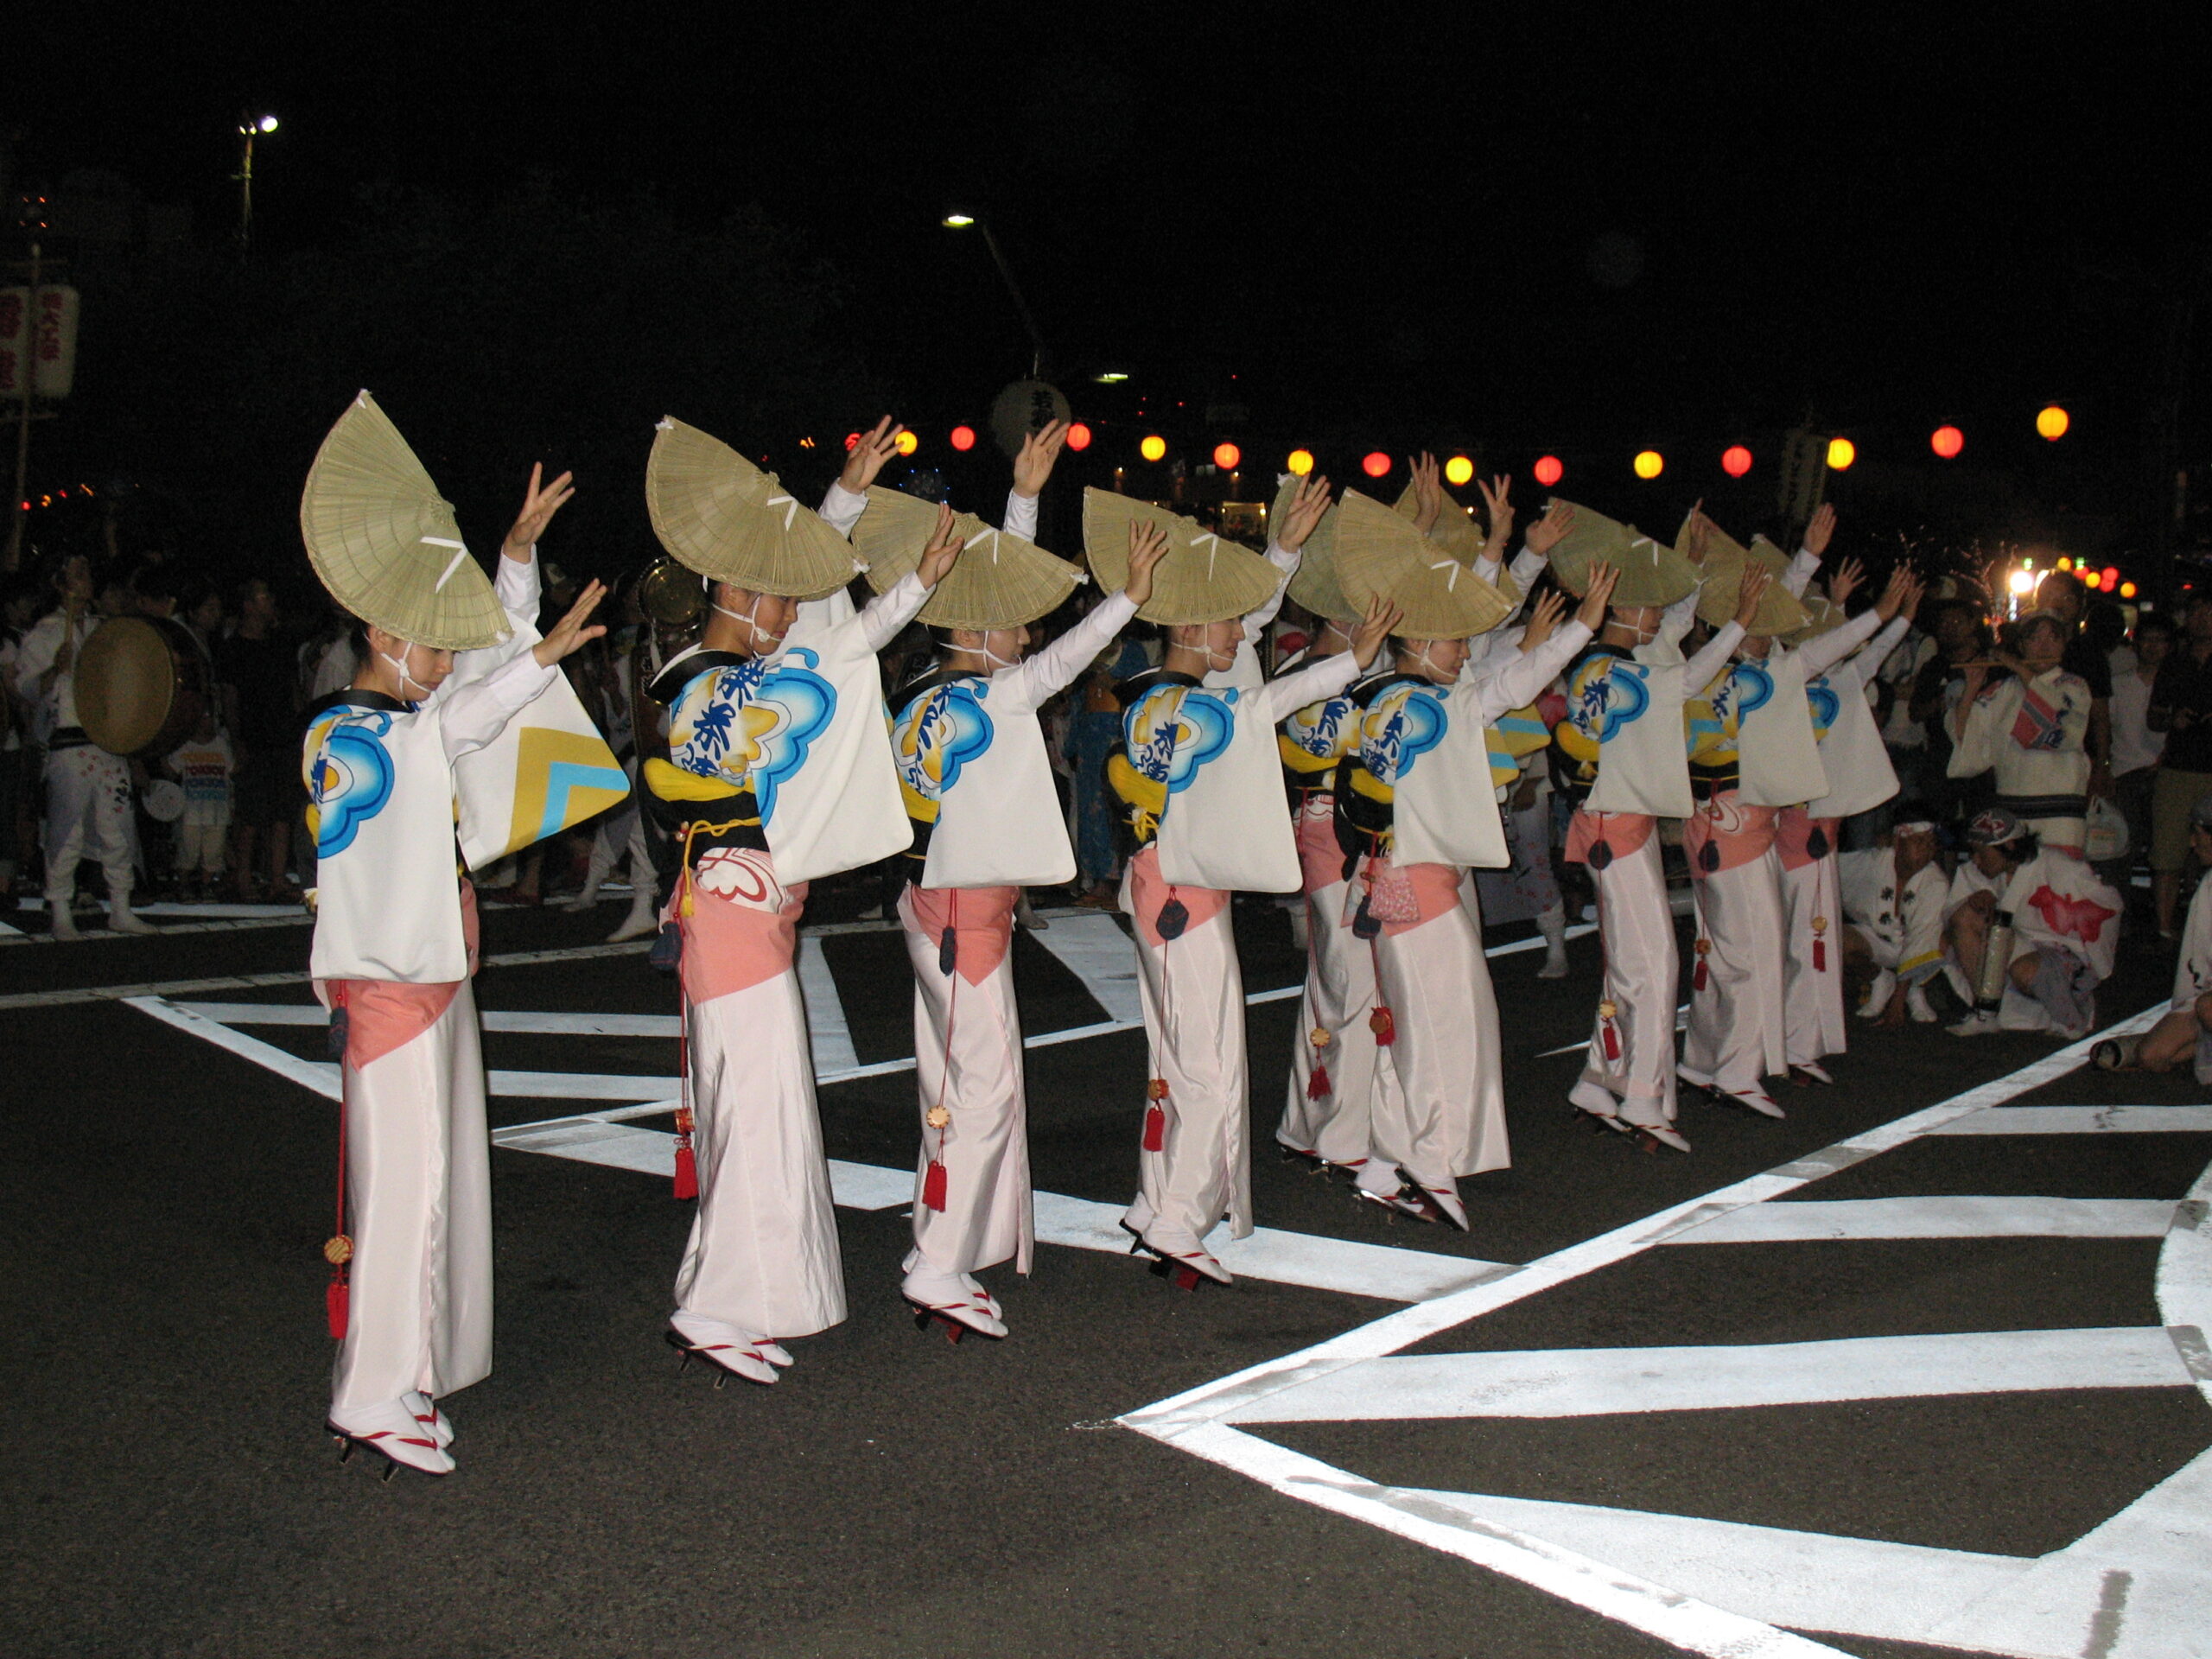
[[1699, 979], [339, 1252], [939, 1116], [1155, 1116], [1384, 1025], [687, 1166], [1820, 944], [1316, 1085], [934, 1194], [1607, 1014]]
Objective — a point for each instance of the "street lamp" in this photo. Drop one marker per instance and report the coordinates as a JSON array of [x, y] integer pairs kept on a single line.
[[957, 221], [251, 126]]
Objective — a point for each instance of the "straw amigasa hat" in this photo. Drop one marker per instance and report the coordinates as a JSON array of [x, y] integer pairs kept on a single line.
[[385, 544], [719, 515], [1202, 579], [1454, 532], [1315, 586], [1379, 551], [1821, 613], [1650, 574], [999, 581], [1779, 613]]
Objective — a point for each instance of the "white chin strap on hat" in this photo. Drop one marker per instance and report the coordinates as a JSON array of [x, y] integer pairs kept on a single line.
[[747, 617], [399, 666]]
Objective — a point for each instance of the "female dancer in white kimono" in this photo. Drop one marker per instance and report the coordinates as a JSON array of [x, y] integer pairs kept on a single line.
[[779, 770], [1195, 775], [979, 791], [395, 944], [1419, 786]]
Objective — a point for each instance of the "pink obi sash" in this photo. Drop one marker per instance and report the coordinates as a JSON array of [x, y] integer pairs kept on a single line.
[[1725, 833], [1148, 894], [1623, 832], [383, 1014], [1403, 897], [743, 928], [1794, 841], [982, 920], [1320, 858]]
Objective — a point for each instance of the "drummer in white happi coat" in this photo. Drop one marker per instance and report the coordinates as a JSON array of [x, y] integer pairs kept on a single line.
[[978, 788], [1416, 806], [450, 660], [1195, 773], [780, 771]]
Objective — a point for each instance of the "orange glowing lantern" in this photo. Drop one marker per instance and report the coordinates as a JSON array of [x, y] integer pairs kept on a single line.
[[963, 438], [1649, 463], [2052, 423], [1226, 455], [908, 443], [1078, 437], [1841, 452], [1301, 461], [1377, 464], [1947, 442], [1735, 460], [1548, 470]]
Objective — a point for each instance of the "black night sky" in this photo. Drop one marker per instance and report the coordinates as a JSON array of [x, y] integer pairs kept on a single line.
[[1511, 232]]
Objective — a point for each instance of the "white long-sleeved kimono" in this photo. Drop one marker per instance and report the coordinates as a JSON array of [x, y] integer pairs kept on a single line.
[[978, 784], [394, 946], [1446, 1116], [2032, 735], [762, 1255], [1900, 920]]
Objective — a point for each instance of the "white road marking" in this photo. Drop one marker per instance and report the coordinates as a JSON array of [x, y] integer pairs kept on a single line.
[[2085, 1120], [1603, 1382], [1935, 1218], [825, 1011], [1198, 1421], [1094, 947]]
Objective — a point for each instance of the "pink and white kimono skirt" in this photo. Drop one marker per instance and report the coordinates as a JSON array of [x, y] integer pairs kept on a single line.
[[1735, 1035], [1334, 1082], [1812, 902], [1448, 1116], [1631, 1057], [418, 1187], [968, 1057], [763, 1250], [1195, 1162]]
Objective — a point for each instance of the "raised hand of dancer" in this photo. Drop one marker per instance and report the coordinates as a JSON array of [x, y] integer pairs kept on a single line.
[[1843, 582], [1757, 578], [1817, 532], [569, 634], [1374, 629], [877, 446], [1902, 594], [1039, 449], [1429, 492], [1547, 532], [1148, 545], [1543, 621], [1500, 509], [1592, 615], [1307, 503], [939, 557], [1700, 535], [539, 503]]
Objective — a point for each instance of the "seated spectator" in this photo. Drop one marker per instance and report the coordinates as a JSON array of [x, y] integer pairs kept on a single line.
[[2065, 922], [1893, 913], [2185, 1031]]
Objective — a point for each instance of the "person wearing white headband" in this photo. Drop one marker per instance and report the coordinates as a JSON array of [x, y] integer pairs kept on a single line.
[[395, 945], [978, 789], [779, 770]]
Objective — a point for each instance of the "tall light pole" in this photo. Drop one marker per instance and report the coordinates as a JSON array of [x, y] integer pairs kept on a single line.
[[249, 128], [961, 222]]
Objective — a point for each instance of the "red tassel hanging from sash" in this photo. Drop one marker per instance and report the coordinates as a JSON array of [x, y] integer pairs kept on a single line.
[[1820, 944], [1155, 1116], [1698, 980], [1607, 1015], [339, 1251], [1384, 1025], [933, 1193], [1316, 1085], [687, 1166]]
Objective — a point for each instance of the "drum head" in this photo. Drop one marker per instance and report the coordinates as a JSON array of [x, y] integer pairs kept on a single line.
[[126, 681]]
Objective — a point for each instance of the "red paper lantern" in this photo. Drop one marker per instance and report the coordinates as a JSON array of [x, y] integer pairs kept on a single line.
[[1548, 470], [1377, 465], [1078, 436], [1226, 455], [963, 438], [2111, 576], [1735, 460], [1947, 442]]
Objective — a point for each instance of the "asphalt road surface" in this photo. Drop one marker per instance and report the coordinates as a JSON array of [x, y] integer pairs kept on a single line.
[[1918, 1370]]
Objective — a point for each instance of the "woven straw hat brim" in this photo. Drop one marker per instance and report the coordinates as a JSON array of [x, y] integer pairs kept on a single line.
[[1650, 575], [1315, 585], [1779, 613], [1454, 530], [1822, 613], [386, 544], [718, 514], [1202, 579], [1380, 551], [998, 581]]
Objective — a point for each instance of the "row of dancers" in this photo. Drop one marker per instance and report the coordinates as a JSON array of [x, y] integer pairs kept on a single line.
[[1398, 730]]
